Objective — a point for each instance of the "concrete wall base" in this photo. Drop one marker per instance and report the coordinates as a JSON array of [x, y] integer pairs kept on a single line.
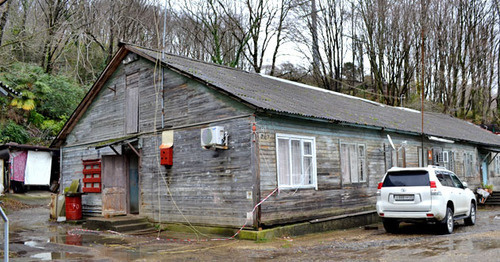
[[313, 226]]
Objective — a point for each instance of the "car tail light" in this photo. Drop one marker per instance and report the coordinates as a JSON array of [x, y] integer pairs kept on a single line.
[[381, 214], [379, 185], [434, 190], [430, 215]]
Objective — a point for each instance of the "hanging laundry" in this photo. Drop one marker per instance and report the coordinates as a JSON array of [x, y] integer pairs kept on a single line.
[[18, 165]]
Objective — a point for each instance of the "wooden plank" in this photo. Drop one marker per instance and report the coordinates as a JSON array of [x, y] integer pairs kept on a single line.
[[132, 104], [255, 163]]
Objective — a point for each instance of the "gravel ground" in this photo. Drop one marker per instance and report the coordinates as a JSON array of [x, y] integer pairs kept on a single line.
[[34, 238]]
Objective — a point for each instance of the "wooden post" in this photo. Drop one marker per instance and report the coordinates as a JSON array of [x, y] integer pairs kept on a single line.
[[255, 162]]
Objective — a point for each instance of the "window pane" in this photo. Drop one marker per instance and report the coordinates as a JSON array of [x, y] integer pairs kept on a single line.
[[308, 170], [353, 157], [457, 181], [420, 160], [394, 158], [445, 180], [361, 159], [297, 163], [284, 162], [401, 157], [344, 163], [406, 178], [307, 148]]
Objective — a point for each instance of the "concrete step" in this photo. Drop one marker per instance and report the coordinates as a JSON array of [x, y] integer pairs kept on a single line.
[[122, 224], [128, 221], [131, 227], [144, 231], [493, 199]]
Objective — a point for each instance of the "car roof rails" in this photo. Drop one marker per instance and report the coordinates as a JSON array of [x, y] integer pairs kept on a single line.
[[436, 167]]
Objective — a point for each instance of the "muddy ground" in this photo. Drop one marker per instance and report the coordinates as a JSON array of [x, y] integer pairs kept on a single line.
[[34, 238]]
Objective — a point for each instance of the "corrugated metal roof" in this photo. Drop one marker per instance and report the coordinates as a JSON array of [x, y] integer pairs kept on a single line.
[[7, 91], [280, 96]]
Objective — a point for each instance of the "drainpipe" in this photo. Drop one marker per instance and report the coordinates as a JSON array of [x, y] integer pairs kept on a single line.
[[60, 169], [5, 236]]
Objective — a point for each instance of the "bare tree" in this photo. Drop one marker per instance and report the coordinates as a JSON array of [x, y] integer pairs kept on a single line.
[[3, 17]]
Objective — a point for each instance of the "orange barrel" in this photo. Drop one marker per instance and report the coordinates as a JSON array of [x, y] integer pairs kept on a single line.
[[73, 206]]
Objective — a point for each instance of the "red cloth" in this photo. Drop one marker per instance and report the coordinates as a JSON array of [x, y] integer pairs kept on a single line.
[[18, 164]]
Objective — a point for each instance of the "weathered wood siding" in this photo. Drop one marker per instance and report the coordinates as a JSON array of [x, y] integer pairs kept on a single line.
[[72, 168], [334, 197], [203, 186], [208, 187]]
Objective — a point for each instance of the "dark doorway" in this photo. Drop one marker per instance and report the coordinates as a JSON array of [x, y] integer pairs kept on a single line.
[[133, 173]]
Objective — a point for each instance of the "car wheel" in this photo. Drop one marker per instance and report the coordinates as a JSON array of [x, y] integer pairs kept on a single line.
[[447, 223], [391, 225], [471, 220]]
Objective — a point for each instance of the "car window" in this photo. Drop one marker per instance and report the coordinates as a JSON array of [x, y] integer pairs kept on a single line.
[[407, 178], [457, 181], [445, 179]]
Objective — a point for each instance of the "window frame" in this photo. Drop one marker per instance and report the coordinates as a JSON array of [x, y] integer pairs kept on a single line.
[[497, 165], [362, 167], [302, 139], [471, 167]]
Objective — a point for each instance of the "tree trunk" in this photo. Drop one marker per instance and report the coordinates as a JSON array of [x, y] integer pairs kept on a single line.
[[3, 18], [315, 45]]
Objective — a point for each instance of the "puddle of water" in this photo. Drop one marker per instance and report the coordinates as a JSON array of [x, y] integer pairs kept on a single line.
[[75, 240], [43, 256], [47, 256], [87, 240], [32, 244]]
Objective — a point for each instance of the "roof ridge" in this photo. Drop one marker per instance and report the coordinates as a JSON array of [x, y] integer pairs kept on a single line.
[[188, 58]]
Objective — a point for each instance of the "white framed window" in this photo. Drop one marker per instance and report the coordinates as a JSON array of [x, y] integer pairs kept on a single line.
[[497, 165], [447, 159], [468, 167], [296, 161], [353, 163], [444, 157]]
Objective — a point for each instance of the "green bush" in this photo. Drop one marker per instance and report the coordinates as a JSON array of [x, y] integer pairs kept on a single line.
[[12, 132], [44, 106]]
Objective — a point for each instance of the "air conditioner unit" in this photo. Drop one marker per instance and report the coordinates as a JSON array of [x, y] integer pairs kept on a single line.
[[213, 136]]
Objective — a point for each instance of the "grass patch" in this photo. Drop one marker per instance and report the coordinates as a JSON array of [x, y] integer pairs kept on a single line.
[[262, 240]]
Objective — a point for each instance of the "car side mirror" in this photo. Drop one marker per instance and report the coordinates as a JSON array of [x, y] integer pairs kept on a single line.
[[465, 184]]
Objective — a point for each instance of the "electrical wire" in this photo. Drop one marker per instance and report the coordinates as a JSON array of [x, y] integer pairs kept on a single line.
[[159, 64]]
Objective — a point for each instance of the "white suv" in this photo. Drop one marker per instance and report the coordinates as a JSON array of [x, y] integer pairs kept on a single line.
[[424, 194]]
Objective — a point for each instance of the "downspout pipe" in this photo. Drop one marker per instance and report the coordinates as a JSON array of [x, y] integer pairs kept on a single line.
[[5, 235]]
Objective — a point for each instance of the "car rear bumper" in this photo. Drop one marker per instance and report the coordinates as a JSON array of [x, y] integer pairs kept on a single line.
[[434, 214]]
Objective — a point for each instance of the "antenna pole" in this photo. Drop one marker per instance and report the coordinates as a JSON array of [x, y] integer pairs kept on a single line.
[[422, 88], [161, 66]]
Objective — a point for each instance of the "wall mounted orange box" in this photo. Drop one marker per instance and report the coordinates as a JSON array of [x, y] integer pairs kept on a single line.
[[166, 156], [91, 176]]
